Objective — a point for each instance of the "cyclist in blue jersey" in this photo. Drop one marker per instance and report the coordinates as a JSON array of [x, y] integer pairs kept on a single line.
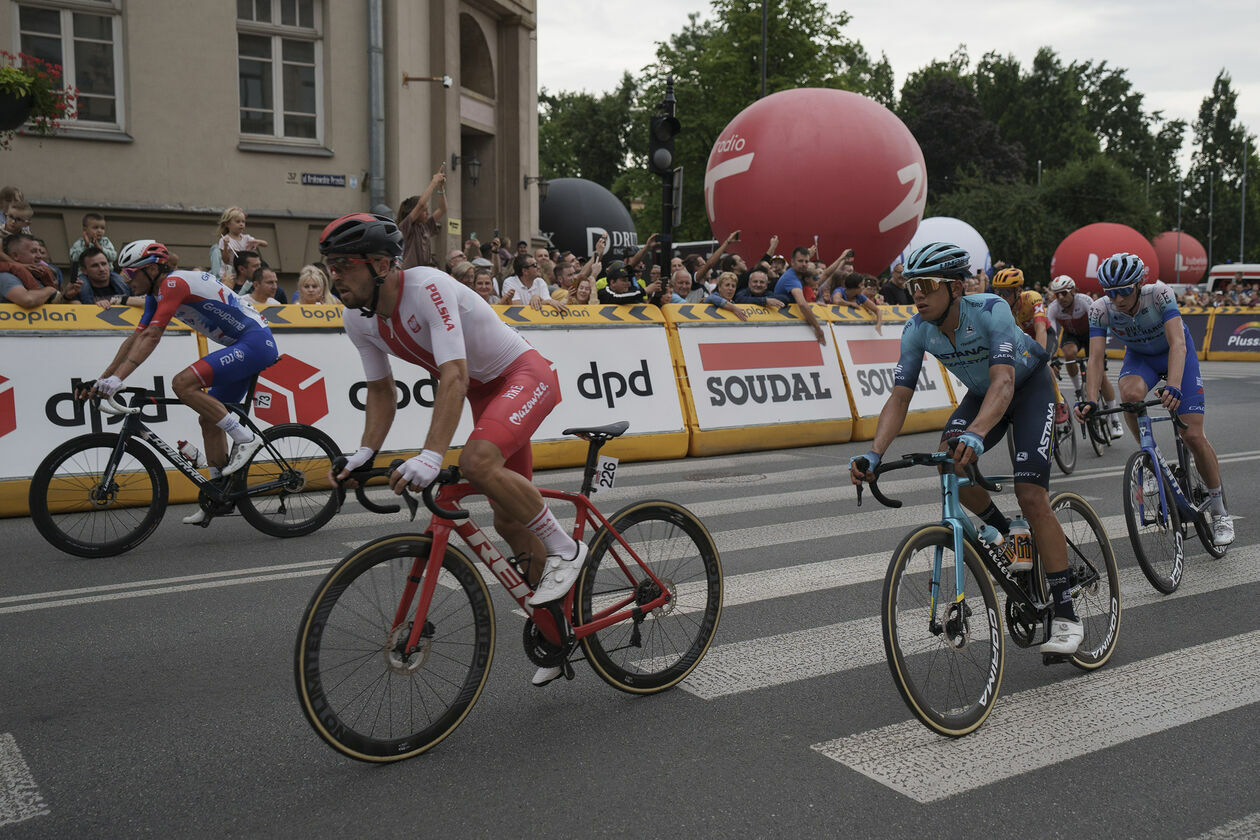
[[223, 375], [1157, 345], [1009, 386]]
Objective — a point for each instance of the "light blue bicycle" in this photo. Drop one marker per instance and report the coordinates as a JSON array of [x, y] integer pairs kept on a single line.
[[941, 620]]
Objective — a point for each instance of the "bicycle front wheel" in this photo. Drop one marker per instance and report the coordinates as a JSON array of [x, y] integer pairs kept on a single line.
[[294, 465], [946, 653], [655, 650], [1095, 429], [1095, 579], [77, 511], [1065, 446], [1154, 526], [361, 689]]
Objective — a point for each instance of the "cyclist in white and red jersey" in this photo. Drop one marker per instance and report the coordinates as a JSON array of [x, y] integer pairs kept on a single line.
[[429, 318], [1069, 314], [212, 309]]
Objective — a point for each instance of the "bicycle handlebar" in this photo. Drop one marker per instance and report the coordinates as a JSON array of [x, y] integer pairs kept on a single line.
[[917, 459], [450, 475], [1137, 407], [111, 405]]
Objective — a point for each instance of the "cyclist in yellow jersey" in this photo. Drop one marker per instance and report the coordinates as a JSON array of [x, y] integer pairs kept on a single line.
[[1030, 316]]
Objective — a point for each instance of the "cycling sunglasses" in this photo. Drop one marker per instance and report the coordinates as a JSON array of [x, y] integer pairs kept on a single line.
[[1122, 291], [927, 285], [341, 264]]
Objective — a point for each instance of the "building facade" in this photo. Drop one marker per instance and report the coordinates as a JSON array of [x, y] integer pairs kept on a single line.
[[296, 110]]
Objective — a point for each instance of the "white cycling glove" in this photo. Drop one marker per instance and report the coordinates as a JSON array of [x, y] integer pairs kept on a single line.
[[358, 459], [422, 469], [109, 386]]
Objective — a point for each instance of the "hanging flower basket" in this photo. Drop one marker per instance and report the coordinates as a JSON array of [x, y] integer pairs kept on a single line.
[[32, 94]]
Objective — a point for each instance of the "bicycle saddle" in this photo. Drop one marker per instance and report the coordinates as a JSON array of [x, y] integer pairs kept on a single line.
[[608, 432]]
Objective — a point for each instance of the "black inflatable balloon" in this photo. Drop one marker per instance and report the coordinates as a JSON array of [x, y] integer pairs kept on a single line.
[[577, 212]]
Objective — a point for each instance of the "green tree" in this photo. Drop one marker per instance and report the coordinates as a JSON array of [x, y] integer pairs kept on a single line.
[[939, 106], [583, 135], [1014, 220], [1214, 183], [1098, 190]]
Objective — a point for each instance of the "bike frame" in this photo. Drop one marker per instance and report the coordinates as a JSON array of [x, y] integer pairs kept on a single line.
[[134, 427], [1146, 441], [425, 570], [955, 518]]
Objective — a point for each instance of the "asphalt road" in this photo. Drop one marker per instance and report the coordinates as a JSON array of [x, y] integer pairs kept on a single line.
[[153, 694]]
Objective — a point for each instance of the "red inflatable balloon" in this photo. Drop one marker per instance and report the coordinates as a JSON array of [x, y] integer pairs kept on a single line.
[[1078, 256], [1181, 258], [817, 162]]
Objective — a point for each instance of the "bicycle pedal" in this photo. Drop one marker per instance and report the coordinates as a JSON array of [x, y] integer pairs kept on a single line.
[[1053, 659]]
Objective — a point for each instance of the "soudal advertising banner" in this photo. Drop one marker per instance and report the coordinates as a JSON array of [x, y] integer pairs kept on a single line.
[[1235, 336], [869, 359], [762, 375]]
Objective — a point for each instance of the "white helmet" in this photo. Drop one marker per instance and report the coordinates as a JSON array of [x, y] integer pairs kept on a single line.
[[1062, 283]]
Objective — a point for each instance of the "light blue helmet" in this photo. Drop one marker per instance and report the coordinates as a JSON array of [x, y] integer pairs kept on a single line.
[[938, 259], [1121, 270]]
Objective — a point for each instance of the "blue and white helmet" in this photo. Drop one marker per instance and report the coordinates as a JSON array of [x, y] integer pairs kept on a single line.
[[938, 259], [1120, 270]]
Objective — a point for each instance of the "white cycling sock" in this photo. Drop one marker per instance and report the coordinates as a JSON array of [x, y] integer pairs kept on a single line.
[[553, 537], [216, 472], [235, 430], [1217, 497], [1076, 380]]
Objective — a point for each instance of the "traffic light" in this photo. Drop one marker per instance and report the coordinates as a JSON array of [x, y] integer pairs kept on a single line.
[[661, 147]]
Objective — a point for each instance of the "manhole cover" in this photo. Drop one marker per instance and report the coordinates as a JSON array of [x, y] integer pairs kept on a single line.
[[718, 477]]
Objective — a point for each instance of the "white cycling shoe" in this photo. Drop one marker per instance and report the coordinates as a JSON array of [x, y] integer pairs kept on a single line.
[[1117, 430], [241, 453], [558, 578], [196, 518], [545, 675], [1223, 530], [1065, 637]]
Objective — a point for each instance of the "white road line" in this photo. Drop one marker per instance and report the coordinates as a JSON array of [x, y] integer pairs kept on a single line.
[[1092, 711], [20, 798], [1244, 828], [767, 661]]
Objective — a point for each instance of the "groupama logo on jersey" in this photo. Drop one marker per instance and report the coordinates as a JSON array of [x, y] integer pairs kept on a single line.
[[291, 391], [1246, 335], [8, 407]]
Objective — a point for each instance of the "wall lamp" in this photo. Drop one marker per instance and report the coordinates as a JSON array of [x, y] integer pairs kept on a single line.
[[542, 183], [446, 81], [471, 164]]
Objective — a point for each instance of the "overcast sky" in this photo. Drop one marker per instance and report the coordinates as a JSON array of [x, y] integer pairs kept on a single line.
[[1172, 51]]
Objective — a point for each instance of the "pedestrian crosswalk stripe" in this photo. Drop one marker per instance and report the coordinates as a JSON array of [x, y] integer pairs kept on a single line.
[[753, 664], [20, 798], [1069, 718], [1244, 828]]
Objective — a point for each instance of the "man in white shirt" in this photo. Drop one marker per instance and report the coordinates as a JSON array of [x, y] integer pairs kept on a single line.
[[526, 285]]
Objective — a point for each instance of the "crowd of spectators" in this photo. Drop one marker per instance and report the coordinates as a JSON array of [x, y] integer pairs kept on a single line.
[[500, 274]]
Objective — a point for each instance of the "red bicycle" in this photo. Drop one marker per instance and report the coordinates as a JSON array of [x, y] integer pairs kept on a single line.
[[396, 644]]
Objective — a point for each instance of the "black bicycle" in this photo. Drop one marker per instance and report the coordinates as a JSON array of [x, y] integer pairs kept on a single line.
[[101, 494]]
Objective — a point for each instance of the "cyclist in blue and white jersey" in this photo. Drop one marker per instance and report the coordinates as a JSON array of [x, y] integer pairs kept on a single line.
[[1157, 345], [1009, 385]]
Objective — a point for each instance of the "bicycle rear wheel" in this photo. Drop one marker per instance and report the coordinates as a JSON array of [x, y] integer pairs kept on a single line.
[[1065, 446], [76, 512], [1154, 526], [1095, 579], [946, 655], [362, 692], [654, 651], [1196, 490], [296, 459]]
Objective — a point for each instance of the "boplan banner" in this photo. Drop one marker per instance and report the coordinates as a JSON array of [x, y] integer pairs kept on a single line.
[[762, 375], [870, 358]]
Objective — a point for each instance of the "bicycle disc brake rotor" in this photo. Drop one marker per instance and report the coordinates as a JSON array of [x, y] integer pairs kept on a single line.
[[647, 592], [957, 628], [397, 659], [102, 495], [539, 650]]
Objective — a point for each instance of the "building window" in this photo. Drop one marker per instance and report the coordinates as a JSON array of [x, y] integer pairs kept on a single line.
[[280, 61], [83, 37]]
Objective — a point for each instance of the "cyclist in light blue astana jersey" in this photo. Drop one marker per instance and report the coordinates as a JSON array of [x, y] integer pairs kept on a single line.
[[1157, 345], [1009, 386]]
